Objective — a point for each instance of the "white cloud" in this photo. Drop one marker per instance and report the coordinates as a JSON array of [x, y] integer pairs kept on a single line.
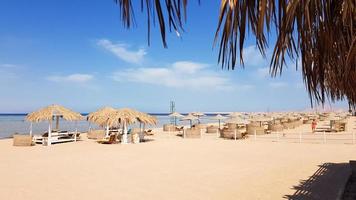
[[121, 51], [263, 72], [7, 66], [183, 74], [75, 78], [253, 58], [278, 85]]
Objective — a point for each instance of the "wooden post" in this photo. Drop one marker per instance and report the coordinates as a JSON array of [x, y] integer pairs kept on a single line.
[[124, 139], [201, 133], [107, 131], [31, 129], [255, 134], [76, 131], [235, 134], [49, 138]]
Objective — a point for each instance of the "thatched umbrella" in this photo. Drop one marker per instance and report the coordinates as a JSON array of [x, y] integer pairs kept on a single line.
[[47, 114], [219, 118], [100, 117], [237, 120], [198, 115], [176, 115], [190, 117], [124, 117]]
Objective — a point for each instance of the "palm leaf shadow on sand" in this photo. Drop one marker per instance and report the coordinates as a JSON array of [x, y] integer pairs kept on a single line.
[[326, 183]]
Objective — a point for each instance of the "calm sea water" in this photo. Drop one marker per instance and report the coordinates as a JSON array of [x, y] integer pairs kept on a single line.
[[16, 123]]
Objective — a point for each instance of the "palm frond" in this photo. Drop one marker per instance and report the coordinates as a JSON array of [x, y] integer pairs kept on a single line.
[[322, 33]]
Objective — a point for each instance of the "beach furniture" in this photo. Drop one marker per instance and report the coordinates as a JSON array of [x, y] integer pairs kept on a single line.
[[253, 128], [47, 114], [192, 133], [57, 137], [149, 132], [212, 129], [110, 140], [22, 140], [169, 127], [231, 134], [275, 127]]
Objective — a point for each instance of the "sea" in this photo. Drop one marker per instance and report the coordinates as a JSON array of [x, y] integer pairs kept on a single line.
[[11, 124]]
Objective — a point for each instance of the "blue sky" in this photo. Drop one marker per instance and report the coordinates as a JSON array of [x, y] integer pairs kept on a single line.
[[77, 53]]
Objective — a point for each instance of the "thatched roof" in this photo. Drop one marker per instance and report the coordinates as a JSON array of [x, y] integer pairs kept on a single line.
[[237, 120], [197, 114], [189, 117], [219, 117], [47, 114], [129, 115], [100, 116], [176, 114]]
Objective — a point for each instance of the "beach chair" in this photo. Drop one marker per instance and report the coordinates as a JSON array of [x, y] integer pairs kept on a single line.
[[148, 132], [111, 140], [22, 140]]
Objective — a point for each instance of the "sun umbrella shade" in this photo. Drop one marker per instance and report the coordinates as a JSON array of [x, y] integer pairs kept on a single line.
[[100, 116], [198, 114], [237, 120], [219, 117], [176, 114], [260, 119], [189, 117], [47, 114]]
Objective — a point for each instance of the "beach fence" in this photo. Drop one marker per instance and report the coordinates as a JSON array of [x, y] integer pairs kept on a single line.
[[307, 137]]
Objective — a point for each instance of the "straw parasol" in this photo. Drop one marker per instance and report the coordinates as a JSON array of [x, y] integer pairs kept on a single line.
[[100, 117], [190, 117], [237, 120], [47, 114], [219, 118], [124, 117], [176, 115], [198, 115]]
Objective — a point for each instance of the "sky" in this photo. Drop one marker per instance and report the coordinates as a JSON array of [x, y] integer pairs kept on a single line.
[[78, 54]]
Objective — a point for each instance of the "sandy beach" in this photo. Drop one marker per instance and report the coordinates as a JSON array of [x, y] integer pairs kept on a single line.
[[169, 167]]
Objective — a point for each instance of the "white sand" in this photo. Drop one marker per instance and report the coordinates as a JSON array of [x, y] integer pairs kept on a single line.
[[172, 168]]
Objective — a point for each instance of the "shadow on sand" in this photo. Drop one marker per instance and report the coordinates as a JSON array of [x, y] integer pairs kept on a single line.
[[327, 183]]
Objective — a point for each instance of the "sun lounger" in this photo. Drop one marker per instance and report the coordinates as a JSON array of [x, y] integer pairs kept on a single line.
[[149, 132], [111, 140], [57, 137]]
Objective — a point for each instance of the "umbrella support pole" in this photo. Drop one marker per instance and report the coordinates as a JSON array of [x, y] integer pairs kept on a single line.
[[255, 135], [49, 138], [107, 131], [31, 129], [235, 134], [76, 131], [124, 139]]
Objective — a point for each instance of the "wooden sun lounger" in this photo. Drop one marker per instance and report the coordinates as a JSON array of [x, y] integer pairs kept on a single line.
[[57, 137], [111, 140]]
